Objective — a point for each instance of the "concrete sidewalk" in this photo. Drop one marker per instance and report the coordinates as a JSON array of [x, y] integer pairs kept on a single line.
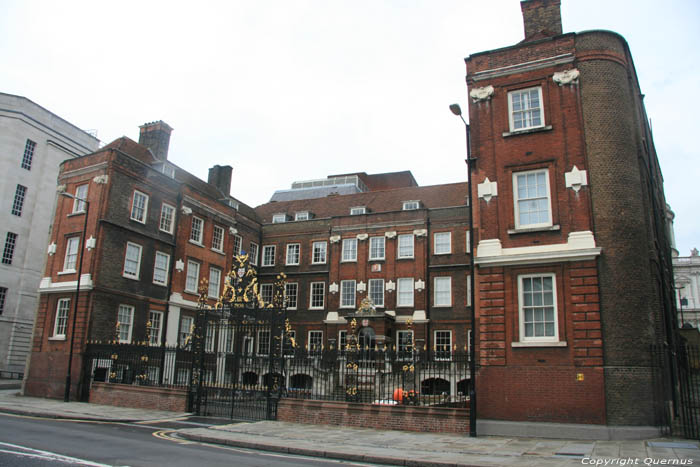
[[381, 447]]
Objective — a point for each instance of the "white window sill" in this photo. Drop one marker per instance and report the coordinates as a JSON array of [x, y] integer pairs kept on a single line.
[[137, 220], [526, 131], [218, 251], [67, 271], [443, 254], [539, 344], [57, 338], [377, 259], [406, 257], [545, 228], [191, 292], [347, 307], [133, 278], [160, 284], [405, 306], [316, 309], [195, 243], [442, 306], [349, 261], [291, 264], [165, 231], [76, 213], [316, 264]]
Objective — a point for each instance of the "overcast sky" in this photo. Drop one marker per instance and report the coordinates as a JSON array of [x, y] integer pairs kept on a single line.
[[286, 90]]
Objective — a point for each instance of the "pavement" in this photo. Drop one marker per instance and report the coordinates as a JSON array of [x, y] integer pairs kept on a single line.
[[374, 446]]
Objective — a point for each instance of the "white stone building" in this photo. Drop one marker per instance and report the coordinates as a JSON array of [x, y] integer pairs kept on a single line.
[[686, 272], [33, 142]]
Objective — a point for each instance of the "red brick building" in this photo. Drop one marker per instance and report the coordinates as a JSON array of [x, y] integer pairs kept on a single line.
[[154, 231], [569, 225]]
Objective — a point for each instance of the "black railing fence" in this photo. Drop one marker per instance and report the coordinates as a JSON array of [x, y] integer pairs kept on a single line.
[[437, 378], [139, 364], [678, 405]]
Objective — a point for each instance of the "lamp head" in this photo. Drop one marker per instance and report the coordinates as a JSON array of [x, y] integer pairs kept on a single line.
[[456, 109]]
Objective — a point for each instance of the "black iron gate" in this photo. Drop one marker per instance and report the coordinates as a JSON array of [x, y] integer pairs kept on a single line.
[[677, 386], [238, 365]]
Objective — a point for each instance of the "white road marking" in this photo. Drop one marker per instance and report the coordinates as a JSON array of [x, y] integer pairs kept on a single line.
[[47, 455]]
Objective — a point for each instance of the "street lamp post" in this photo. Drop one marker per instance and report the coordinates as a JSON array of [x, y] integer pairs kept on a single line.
[[66, 396], [455, 109]]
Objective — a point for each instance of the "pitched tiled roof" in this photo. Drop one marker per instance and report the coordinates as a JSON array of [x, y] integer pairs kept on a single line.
[[132, 148], [436, 196]]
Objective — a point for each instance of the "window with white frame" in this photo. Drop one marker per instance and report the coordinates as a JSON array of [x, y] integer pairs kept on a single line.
[[160, 268], [376, 248], [315, 340], [139, 207], [349, 249], [237, 244], [167, 218], [192, 277], [291, 295], [263, 342], [537, 308], [469, 290], [156, 330], [279, 218], [266, 293], [209, 337], [411, 205], [318, 296], [214, 282], [405, 246], [376, 292], [81, 192], [268, 258], [442, 291], [293, 254], [531, 198], [404, 341], [197, 232], [347, 294], [342, 341], [61, 322], [18, 203], [186, 330], [125, 319], [404, 291], [358, 210], [253, 254], [28, 154], [71, 260], [302, 216], [443, 345], [442, 243], [217, 239], [132, 260], [320, 250], [525, 109]]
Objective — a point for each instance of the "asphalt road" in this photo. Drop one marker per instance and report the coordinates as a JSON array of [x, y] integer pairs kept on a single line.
[[29, 441]]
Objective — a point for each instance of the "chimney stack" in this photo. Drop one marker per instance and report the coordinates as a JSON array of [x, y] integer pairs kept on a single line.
[[542, 18], [156, 137], [220, 177]]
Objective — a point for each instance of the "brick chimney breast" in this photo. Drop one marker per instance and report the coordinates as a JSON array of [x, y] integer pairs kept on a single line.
[[220, 177], [156, 137], [541, 18]]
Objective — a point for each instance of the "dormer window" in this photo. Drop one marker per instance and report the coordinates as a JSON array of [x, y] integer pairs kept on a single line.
[[302, 216], [167, 169], [411, 205], [357, 210], [279, 218]]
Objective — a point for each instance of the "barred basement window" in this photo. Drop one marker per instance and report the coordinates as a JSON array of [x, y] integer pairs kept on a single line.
[[20, 193], [9, 251], [3, 295], [28, 154]]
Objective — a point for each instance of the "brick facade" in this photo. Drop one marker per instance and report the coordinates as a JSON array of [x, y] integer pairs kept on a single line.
[[589, 147]]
